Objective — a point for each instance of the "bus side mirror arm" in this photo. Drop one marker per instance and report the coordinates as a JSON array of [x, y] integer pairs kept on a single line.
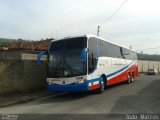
[[39, 56], [84, 55]]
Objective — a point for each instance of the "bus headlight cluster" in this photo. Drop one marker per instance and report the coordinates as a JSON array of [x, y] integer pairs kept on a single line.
[[82, 81], [49, 81]]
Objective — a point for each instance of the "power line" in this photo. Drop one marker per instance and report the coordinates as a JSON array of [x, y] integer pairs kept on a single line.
[[109, 18], [144, 42], [122, 36]]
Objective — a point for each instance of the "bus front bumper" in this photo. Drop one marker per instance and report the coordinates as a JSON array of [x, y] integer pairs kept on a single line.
[[69, 88]]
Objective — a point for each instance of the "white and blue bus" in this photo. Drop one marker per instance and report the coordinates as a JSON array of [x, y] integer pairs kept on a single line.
[[88, 62]]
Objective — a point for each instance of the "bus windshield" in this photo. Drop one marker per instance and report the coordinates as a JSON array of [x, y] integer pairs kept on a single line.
[[64, 58]]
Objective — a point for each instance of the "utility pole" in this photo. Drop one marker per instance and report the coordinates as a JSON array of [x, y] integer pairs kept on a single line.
[[56, 34], [98, 30], [130, 46], [52, 35], [97, 41]]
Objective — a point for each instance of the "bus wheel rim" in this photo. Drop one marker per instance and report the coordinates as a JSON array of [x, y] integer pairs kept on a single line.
[[102, 84]]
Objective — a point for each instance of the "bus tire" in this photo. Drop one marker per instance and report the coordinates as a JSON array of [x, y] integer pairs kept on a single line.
[[101, 85], [129, 78], [132, 77]]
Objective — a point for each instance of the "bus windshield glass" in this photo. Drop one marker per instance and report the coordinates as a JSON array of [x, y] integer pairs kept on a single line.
[[64, 58]]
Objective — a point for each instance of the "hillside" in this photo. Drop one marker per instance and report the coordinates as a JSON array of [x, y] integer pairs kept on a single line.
[[4, 41], [148, 57]]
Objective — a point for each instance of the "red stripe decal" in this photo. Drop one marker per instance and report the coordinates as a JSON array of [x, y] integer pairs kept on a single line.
[[94, 87]]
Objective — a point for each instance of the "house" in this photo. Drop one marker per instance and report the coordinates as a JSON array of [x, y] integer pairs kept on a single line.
[[3, 47], [30, 46]]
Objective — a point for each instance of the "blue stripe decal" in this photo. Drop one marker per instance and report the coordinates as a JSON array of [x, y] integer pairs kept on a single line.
[[112, 74], [93, 80], [118, 71]]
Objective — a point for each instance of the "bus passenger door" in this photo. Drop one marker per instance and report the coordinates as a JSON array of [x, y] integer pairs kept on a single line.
[[91, 63]]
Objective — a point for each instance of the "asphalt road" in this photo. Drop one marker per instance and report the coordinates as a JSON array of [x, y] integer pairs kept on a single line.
[[141, 96]]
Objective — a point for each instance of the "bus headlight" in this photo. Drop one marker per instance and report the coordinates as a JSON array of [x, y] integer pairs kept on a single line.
[[82, 81], [49, 83]]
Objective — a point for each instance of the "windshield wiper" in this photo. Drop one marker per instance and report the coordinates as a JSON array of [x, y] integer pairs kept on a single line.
[[68, 68], [62, 67]]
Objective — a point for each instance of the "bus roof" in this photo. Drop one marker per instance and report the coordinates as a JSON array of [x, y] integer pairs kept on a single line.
[[88, 36]]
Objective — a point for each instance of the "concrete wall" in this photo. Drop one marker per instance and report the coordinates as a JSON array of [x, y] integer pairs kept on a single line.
[[19, 72], [144, 65]]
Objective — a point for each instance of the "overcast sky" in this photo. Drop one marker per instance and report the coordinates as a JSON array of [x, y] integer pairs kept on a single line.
[[137, 23]]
